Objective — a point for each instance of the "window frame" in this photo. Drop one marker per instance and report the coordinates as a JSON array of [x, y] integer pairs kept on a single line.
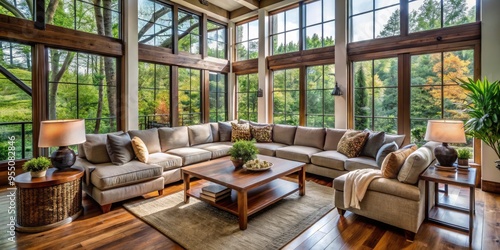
[[325, 91], [236, 43], [156, 2], [217, 94], [247, 92], [225, 39], [155, 89]]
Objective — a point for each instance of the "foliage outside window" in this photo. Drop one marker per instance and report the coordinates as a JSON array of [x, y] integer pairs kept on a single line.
[[320, 24], [434, 92], [286, 96], [83, 85], [16, 104], [320, 105], [247, 87], [247, 40], [218, 97], [189, 32], [155, 23], [16, 8], [435, 14], [376, 95], [189, 96], [154, 95], [284, 32], [369, 19], [216, 40]]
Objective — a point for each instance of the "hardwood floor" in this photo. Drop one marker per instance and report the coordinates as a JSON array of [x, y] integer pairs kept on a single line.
[[119, 229]]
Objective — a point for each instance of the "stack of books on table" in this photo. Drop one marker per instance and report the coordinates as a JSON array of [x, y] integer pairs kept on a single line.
[[215, 192]]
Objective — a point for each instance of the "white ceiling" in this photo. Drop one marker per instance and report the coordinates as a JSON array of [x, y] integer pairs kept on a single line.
[[229, 5]]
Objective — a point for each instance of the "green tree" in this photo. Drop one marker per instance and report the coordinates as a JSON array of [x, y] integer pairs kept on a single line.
[[361, 99]]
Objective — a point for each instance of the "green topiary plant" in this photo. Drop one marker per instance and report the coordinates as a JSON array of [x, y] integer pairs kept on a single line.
[[463, 153], [37, 164], [243, 151]]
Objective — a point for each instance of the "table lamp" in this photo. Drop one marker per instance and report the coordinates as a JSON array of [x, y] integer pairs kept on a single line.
[[62, 133], [445, 131]]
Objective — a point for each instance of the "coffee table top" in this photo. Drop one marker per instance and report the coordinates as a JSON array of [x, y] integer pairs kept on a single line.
[[222, 171]]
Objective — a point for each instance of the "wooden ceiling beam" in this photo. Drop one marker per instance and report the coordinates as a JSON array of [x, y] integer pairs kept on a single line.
[[251, 4], [211, 10], [237, 13]]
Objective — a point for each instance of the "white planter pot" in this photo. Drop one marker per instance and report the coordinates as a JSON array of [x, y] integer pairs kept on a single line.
[[38, 173]]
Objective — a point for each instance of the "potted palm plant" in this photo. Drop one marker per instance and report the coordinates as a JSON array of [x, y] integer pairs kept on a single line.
[[37, 166], [243, 151], [484, 112]]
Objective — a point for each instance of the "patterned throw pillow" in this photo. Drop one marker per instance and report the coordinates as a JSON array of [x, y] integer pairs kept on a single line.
[[262, 134], [352, 142], [140, 149], [394, 161], [240, 132]]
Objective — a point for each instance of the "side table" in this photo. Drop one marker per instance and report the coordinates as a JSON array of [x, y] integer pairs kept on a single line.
[[464, 178], [48, 202]]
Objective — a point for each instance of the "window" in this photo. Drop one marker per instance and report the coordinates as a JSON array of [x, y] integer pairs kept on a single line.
[[16, 102], [286, 96], [369, 19], [435, 14], [98, 17], [434, 92], [154, 95], [83, 85], [189, 32], [218, 97], [189, 96], [216, 40], [376, 95], [284, 32], [320, 24], [247, 87], [247, 40], [20, 9], [155, 23], [320, 105]]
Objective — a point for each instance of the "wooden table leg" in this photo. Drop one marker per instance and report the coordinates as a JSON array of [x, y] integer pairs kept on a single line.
[[427, 199], [302, 181], [186, 179], [471, 212], [243, 209]]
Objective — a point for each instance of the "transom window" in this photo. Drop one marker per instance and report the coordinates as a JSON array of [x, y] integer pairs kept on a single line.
[[284, 32], [155, 23], [189, 32], [435, 14], [247, 87], [216, 40], [320, 24], [369, 19], [247, 40]]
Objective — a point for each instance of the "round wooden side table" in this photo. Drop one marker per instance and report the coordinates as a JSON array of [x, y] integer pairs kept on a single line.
[[47, 202]]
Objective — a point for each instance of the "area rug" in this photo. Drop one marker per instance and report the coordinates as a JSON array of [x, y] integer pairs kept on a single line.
[[197, 225]]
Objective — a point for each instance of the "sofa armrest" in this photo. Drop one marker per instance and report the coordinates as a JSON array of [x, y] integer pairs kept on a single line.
[[87, 166]]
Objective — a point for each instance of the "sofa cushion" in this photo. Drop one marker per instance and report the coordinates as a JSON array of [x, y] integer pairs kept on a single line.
[[352, 142], [262, 133], [360, 162], [167, 161], [416, 163], [386, 186], [140, 149], [284, 134], [149, 137], [384, 151], [297, 153], [171, 138], [269, 148], [215, 131], [240, 132], [329, 159], [257, 124], [199, 134], [310, 137], [191, 155], [394, 161], [373, 143], [120, 148], [218, 149], [225, 131], [111, 176], [95, 148], [399, 139], [332, 138]]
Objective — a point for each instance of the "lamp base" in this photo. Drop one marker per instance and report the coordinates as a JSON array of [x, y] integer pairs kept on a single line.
[[445, 155], [63, 158]]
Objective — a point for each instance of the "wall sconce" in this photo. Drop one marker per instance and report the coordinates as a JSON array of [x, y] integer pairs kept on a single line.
[[260, 93], [336, 91]]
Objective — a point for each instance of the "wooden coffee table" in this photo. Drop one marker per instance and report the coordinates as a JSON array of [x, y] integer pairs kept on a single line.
[[252, 190]]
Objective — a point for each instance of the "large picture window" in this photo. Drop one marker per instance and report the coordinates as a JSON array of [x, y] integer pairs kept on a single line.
[[218, 97], [247, 40], [376, 95], [286, 96], [189, 32], [155, 23], [284, 32], [189, 96], [319, 24], [320, 105], [216, 40], [247, 87], [154, 95]]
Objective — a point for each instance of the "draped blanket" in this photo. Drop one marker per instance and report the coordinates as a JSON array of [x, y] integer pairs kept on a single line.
[[356, 184]]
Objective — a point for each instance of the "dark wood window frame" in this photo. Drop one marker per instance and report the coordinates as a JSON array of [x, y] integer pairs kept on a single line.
[[152, 119], [225, 39], [236, 43], [217, 95], [248, 92]]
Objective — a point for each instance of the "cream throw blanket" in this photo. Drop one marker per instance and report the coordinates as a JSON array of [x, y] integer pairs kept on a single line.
[[355, 185]]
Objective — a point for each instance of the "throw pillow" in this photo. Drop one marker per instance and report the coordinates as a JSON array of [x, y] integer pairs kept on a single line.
[[140, 149], [262, 134], [240, 132], [373, 144], [384, 151], [225, 131], [415, 164], [393, 162], [95, 148], [120, 148], [352, 142]]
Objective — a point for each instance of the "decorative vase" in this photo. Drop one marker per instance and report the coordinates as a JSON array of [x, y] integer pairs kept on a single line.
[[463, 162], [498, 164], [237, 163], [38, 173]]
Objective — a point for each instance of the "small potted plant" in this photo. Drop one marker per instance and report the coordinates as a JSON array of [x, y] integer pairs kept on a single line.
[[243, 151], [37, 166], [463, 156]]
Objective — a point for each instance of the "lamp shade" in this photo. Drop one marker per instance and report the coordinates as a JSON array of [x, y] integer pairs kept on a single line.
[[446, 131], [56, 133]]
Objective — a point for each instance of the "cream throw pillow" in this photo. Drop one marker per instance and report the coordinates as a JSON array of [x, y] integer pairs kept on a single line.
[[394, 161], [140, 149]]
